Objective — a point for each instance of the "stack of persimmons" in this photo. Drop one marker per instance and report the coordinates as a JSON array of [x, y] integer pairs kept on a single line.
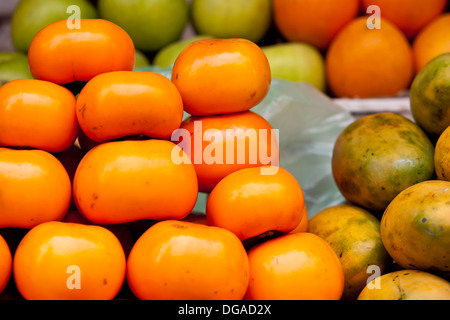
[[101, 186]]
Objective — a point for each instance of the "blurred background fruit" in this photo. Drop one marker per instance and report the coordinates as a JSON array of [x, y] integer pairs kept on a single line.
[[249, 19], [369, 63], [140, 59], [168, 54], [432, 41], [316, 21], [13, 66], [410, 16], [151, 24], [297, 61], [31, 16]]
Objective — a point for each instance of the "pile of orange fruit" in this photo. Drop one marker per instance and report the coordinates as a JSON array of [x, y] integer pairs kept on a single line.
[[372, 48], [97, 198]]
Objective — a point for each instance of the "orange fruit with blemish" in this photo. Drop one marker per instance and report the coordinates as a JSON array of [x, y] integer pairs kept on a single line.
[[69, 261], [383, 57], [5, 263], [313, 21], [125, 181], [37, 114], [249, 203], [35, 188], [221, 144], [177, 260], [218, 76], [124, 103], [62, 55], [298, 266]]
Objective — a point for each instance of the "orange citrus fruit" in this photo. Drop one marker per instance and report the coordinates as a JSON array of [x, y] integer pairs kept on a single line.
[[432, 41], [363, 62], [313, 21], [408, 15]]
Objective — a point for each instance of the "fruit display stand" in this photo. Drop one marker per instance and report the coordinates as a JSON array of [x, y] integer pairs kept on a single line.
[[361, 107]]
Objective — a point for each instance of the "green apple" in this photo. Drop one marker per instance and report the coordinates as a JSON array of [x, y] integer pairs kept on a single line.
[[167, 55], [152, 24], [296, 61], [30, 16], [13, 66], [140, 59], [248, 19]]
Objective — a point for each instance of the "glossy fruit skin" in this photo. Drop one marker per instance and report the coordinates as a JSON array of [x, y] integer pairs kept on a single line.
[[384, 58], [442, 156], [246, 127], [35, 188], [299, 266], [304, 223], [354, 235], [430, 94], [151, 24], [432, 41], [30, 16], [408, 285], [177, 260], [44, 106], [43, 260], [378, 156], [5, 263], [249, 204], [220, 76], [232, 18], [124, 103], [409, 16], [124, 181], [303, 20], [62, 55], [415, 227]]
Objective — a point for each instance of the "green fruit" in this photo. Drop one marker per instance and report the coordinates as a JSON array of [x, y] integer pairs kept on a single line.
[[354, 235], [430, 96], [30, 16], [415, 227], [152, 24], [140, 59], [407, 285], [297, 62], [378, 156], [249, 19], [167, 55], [13, 66]]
